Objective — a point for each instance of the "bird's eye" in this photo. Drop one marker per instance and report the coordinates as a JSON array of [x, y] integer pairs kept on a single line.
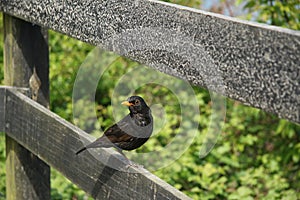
[[137, 102]]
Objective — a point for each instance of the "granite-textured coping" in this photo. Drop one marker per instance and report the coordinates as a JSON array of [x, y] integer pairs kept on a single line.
[[256, 64]]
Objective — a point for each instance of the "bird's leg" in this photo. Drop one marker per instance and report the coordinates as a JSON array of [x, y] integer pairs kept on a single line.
[[130, 163], [121, 152]]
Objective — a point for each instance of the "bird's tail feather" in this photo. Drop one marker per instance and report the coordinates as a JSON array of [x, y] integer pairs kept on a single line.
[[96, 144], [80, 150]]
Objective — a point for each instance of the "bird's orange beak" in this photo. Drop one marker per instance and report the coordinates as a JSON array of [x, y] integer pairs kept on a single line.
[[127, 103]]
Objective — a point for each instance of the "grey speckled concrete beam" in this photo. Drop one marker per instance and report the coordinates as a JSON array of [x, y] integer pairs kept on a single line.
[[256, 64]]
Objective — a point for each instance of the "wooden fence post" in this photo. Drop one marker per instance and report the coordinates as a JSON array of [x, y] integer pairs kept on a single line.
[[25, 47]]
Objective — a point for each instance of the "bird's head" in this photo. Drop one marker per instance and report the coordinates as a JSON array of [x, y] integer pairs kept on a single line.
[[136, 104]]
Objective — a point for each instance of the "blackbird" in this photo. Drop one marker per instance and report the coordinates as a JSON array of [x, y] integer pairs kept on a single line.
[[129, 133]]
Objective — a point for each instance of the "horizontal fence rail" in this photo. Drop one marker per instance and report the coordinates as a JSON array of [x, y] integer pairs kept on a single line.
[[256, 64], [55, 141]]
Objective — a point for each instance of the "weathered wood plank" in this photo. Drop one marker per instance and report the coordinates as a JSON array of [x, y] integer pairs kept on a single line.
[[250, 62], [25, 47], [55, 141], [3, 100], [2, 109]]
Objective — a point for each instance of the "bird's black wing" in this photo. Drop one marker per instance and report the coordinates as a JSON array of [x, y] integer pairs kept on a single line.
[[130, 136], [128, 126], [115, 134], [125, 134]]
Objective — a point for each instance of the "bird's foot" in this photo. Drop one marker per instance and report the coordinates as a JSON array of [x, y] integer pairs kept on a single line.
[[129, 162], [132, 164]]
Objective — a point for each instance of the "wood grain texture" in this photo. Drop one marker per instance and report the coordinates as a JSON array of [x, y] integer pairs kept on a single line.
[[25, 46], [102, 173], [2, 109], [3, 89], [253, 63]]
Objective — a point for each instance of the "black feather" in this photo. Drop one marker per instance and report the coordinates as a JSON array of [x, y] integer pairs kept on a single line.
[[129, 133]]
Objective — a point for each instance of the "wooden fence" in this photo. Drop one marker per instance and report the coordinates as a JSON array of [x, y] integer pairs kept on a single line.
[[256, 64]]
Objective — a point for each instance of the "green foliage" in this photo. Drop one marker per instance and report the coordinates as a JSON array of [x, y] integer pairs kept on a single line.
[[62, 188], [250, 161], [285, 13], [189, 3], [66, 56], [2, 135], [1, 52]]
